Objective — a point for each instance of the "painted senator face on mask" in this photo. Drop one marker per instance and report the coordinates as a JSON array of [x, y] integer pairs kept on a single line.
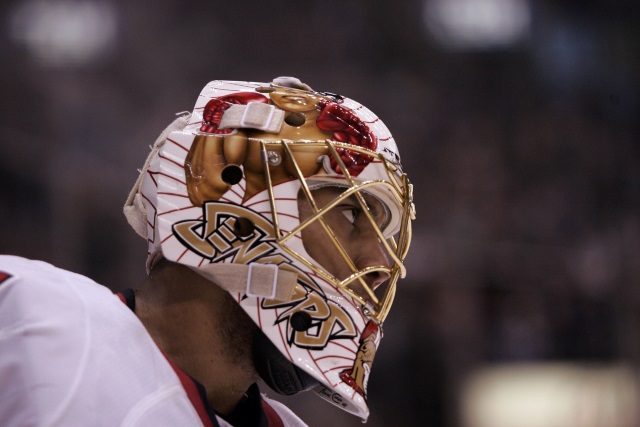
[[292, 99], [358, 245]]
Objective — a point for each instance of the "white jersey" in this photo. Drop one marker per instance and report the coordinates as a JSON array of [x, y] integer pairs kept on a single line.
[[73, 354]]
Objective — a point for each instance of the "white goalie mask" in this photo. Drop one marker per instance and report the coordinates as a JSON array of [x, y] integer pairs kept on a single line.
[[295, 202]]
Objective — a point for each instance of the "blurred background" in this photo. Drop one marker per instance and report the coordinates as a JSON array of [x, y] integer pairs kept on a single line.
[[518, 125]]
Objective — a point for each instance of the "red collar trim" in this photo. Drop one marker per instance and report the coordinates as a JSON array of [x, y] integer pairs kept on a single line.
[[192, 393], [124, 301], [273, 419]]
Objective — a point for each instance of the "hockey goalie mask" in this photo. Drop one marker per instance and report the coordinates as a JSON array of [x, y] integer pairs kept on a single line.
[[296, 203]]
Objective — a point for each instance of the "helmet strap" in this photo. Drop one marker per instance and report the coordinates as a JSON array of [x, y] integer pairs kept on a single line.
[[276, 370], [257, 280]]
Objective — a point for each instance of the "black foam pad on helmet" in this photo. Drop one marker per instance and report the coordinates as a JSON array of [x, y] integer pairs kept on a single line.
[[277, 371]]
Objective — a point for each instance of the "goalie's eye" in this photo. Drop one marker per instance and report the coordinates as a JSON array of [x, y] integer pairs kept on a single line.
[[351, 213]]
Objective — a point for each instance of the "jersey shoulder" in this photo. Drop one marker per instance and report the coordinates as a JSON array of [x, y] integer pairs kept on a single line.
[[37, 275], [37, 293], [78, 355]]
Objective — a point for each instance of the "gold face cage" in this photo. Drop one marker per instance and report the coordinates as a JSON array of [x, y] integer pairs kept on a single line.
[[393, 183]]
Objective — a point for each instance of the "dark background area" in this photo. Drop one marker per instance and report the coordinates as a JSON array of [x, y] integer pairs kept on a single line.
[[523, 149]]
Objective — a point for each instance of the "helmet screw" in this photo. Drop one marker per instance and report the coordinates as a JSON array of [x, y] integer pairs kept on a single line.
[[274, 158], [243, 227], [301, 321], [232, 174]]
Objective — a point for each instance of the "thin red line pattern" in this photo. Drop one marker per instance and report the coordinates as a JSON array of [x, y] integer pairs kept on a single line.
[[338, 355]]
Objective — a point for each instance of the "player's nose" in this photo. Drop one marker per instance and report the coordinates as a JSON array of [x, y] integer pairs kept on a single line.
[[371, 253]]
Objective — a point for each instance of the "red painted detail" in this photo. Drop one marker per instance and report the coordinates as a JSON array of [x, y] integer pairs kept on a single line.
[[349, 129], [273, 419], [4, 276], [215, 108]]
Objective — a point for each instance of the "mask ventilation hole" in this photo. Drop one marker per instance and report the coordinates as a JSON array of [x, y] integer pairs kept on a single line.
[[300, 321], [232, 174], [295, 119], [243, 227]]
